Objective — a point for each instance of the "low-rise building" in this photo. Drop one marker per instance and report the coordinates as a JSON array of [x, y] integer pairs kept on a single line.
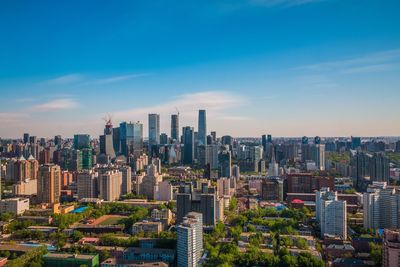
[[73, 260], [147, 227], [14, 205]]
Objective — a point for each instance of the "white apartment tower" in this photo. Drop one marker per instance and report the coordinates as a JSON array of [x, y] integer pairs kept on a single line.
[[190, 240]]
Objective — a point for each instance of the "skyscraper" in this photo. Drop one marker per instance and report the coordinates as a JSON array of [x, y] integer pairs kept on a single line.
[[154, 129], [202, 129], [131, 136], [190, 240], [379, 167], [81, 141], [355, 142], [49, 186], [87, 184], [26, 138], [188, 145], [331, 213], [110, 183], [106, 141], [224, 162], [175, 127]]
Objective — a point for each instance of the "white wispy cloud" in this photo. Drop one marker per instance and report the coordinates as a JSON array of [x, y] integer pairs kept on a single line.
[[120, 78], [12, 117], [54, 105], [66, 79], [284, 3], [373, 62]]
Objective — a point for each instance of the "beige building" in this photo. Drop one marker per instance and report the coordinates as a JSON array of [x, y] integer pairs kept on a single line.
[[48, 185], [150, 182], [14, 205], [110, 185], [87, 181], [147, 227], [164, 215], [25, 188]]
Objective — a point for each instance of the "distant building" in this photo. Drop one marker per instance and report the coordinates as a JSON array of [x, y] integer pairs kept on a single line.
[[188, 145], [131, 137], [272, 189], [190, 240], [81, 141], [175, 127], [154, 129], [224, 162], [147, 227], [202, 129]]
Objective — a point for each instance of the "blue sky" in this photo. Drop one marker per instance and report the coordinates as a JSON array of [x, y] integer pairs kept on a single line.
[[288, 68]]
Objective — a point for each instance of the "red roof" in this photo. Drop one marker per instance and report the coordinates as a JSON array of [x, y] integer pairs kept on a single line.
[[297, 201]]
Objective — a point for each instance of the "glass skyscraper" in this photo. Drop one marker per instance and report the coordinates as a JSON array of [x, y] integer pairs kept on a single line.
[[175, 127], [154, 129], [202, 130], [131, 136]]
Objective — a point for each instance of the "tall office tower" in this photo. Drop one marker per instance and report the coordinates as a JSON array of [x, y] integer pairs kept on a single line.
[[154, 129], [26, 138], [149, 182], [163, 139], [183, 205], [256, 153], [81, 141], [126, 186], [264, 141], [202, 129], [110, 185], [317, 140], [224, 162], [236, 172], [188, 144], [304, 140], [381, 208], [269, 138], [391, 248], [49, 184], [32, 139], [273, 167], [131, 136], [355, 142], [318, 155], [397, 148], [208, 208], [331, 213], [116, 140], [57, 140], [87, 182], [175, 127], [87, 156], [214, 136], [190, 240], [379, 168], [106, 140]]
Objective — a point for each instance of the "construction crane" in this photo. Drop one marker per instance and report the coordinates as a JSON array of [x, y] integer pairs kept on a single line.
[[177, 111], [107, 120]]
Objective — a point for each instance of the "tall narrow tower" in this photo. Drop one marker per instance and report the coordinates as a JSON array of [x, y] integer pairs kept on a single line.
[[202, 129]]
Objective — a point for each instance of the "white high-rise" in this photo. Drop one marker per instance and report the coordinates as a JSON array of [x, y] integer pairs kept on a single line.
[[87, 184], [190, 240], [331, 213], [381, 208]]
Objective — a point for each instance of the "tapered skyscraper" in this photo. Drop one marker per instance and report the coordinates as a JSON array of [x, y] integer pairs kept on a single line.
[[202, 130], [175, 127]]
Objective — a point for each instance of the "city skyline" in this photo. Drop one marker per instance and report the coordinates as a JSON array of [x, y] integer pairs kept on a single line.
[[313, 75]]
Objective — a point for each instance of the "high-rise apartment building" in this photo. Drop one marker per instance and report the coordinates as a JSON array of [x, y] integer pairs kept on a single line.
[[190, 240], [224, 163], [202, 129], [87, 182], [49, 184], [331, 213], [154, 129], [381, 207], [150, 182], [110, 185]]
